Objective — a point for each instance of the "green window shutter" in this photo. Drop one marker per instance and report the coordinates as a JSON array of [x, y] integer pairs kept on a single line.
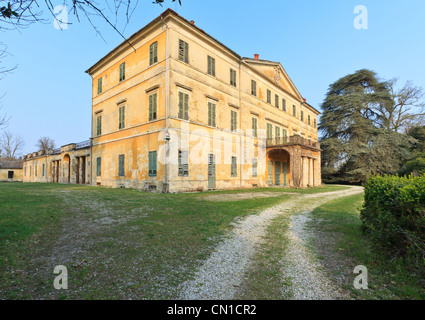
[[153, 106], [234, 168], [309, 121], [181, 103], [211, 66], [253, 88], [99, 125], [269, 131], [276, 100], [302, 115], [122, 71], [98, 166], [152, 163], [232, 77], [121, 165], [211, 114], [283, 104], [183, 51], [254, 167], [42, 170], [254, 127], [186, 107], [99, 85], [233, 120], [315, 124], [121, 124], [153, 53], [277, 132], [284, 133], [269, 96], [294, 111]]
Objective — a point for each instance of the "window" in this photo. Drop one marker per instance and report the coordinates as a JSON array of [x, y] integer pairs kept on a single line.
[[233, 120], [283, 104], [98, 166], [121, 172], [254, 127], [152, 164], [183, 51], [42, 170], [183, 163], [269, 96], [99, 85], [183, 105], [211, 66], [294, 111], [253, 88], [284, 133], [153, 106], [269, 131], [234, 168], [35, 170], [122, 71], [99, 125], [232, 77], [30, 171], [276, 100], [302, 115], [121, 120], [277, 132], [254, 167], [10, 174], [153, 53], [309, 120], [315, 124], [211, 114]]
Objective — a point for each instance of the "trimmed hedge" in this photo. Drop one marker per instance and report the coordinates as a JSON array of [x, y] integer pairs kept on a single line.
[[394, 214]]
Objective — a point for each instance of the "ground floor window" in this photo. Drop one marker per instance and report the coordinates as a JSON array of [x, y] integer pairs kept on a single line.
[[121, 172], [152, 164], [10, 174]]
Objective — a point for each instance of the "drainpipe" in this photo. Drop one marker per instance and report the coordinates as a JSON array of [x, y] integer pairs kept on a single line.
[[167, 134]]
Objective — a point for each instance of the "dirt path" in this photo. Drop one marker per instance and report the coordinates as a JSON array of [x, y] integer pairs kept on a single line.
[[222, 274]]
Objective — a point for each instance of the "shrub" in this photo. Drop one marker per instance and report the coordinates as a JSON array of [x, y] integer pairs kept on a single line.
[[394, 214]]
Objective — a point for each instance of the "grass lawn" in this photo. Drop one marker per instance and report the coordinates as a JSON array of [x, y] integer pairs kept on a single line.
[[115, 243], [342, 246]]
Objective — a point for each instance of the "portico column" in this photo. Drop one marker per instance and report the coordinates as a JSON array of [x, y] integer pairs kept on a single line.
[[310, 172]]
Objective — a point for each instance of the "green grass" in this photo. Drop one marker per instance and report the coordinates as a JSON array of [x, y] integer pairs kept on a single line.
[[116, 243], [387, 278]]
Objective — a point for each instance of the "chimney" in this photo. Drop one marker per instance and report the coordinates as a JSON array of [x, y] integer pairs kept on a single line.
[[256, 56], [192, 22]]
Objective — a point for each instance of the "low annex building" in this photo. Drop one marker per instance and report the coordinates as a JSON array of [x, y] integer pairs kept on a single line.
[[175, 110], [11, 170]]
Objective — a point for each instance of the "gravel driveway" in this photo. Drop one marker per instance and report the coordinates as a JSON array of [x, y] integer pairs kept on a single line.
[[222, 274]]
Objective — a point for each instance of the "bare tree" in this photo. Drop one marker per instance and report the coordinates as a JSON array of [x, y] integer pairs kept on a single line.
[[407, 107], [11, 145], [45, 144]]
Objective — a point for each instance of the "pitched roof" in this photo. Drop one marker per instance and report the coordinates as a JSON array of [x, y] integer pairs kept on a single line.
[[11, 164]]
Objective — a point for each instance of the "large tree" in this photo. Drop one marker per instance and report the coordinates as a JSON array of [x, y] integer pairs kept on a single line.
[[353, 143], [45, 144], [11, 145]]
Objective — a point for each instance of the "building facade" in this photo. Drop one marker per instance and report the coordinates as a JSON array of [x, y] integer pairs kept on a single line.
[[11, 170], [175, 110]]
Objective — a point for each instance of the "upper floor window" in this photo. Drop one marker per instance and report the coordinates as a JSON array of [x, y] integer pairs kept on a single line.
[[315, 124], [255, 127], [153, 106], [211, 114], [284, 133], [233, 120], [294, 110], [232, 77], [99, 125], [309, 120], [122, 71], [253, 88], [121, 117], [99, 85], [211, 66], [283, 104], [153, 53], [269, 96], [183, 51], [183, 105], [302, 115], [276, 100], [269, 131]]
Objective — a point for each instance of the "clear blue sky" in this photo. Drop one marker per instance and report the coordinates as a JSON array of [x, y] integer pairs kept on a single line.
[[49, 94]]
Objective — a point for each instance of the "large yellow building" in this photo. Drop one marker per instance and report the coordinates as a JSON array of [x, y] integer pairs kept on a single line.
[[176, 110]]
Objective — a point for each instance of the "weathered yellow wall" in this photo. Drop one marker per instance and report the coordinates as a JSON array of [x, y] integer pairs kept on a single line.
[[17, 174]]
